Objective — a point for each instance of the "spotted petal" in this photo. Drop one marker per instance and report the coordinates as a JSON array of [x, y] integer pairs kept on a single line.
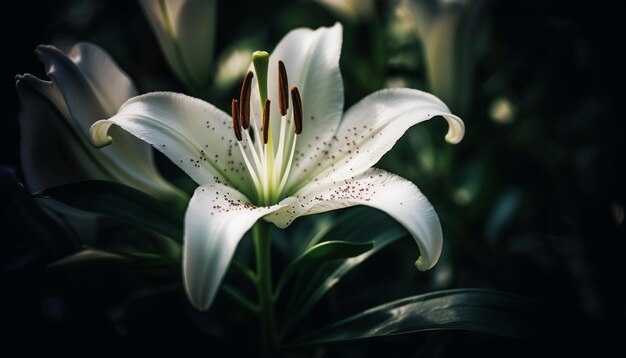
[[379, 189], [216, 220], [192, 133], [369, 129]]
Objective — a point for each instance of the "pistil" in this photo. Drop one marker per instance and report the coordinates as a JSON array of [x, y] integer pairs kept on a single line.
[[269, 152], [260, 60]]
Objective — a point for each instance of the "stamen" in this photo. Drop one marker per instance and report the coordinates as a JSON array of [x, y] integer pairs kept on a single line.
[[283, 85], [283, 181], [244, 100], [297, 109], [236, 120], [266, 120], [255, 156], [251, 170], [278, 164]]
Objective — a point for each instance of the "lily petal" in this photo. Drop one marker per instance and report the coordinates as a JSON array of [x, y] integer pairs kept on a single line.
[[49, 91], [311, 59], [216, 220], [92, 83], [370, 129], [192, 133], [186, 33], [43, 126], [379, 189], [83, 104], [111, 85]]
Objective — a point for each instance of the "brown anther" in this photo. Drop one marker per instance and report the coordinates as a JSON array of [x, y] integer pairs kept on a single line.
[[265, 128], [236, 120], [297, 109], [283, 85], [244, 100]]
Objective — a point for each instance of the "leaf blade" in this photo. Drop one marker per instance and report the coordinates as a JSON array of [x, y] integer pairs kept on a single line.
[[334, 249], [320, 253], [329, 276], [95, 259], [120, 202], [476, 310]]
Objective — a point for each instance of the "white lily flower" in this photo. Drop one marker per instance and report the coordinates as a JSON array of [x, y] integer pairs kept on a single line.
[[55, 116], [185, 30], [448, 30], [324, 164]]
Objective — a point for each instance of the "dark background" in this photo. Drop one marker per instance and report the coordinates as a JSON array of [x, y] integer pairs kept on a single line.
[[563, 159]]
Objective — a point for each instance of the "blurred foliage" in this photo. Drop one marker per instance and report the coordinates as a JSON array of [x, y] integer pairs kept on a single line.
[[531, 202]]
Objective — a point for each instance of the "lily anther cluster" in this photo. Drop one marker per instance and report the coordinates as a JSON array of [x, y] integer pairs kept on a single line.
[[269, 168]]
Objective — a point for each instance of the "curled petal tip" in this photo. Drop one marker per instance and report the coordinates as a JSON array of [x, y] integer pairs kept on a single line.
[[421, 264], [99, 133], [42, 49], [453, 137], [39, 49], [456, 130]]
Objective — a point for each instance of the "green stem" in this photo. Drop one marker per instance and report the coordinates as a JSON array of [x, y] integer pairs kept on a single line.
[[239, 298], [244, 270], [263, 245]]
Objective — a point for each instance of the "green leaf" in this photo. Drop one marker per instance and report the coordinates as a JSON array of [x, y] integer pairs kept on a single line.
[[313, 284], [356, 225], [93, 259], [324, 251], [332, 250], [120, 202], [476, 310]]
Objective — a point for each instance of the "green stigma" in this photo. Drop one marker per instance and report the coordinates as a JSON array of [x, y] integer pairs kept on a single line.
[[261, 60]]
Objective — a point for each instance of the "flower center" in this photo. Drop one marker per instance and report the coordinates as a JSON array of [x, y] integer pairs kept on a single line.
[[270, 166]]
